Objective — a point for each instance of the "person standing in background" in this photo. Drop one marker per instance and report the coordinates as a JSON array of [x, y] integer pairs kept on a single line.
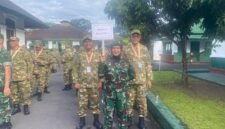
[[40, 61], [21, 76]]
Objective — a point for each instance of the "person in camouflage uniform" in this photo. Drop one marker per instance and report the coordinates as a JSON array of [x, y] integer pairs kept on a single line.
[[5, 73], [85, 78], [67, 61], [56, 60], [139, 56], [40, 61], [48, 69], [115, 73], [21, 76]]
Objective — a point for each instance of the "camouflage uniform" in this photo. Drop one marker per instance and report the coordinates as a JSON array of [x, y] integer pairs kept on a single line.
[[48, 67], [143, 72], [86, 74], [5, 112], [67, 68], [116, 73], [39, 71], [22, 68], [56, 59]]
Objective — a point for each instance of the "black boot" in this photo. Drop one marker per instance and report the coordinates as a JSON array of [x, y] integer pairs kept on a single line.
[[39, 96], [16, 109], [66, 88], [6, 125], [26, 110], [96, 122], [141, 124], [129, 121], [82, 123], [46, 90], [70, 86]]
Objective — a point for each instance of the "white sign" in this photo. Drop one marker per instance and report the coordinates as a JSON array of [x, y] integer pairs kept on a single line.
[[102, 31]]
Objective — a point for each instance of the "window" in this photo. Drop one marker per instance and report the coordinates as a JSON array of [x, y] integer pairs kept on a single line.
[[167, 47], [10, 28]]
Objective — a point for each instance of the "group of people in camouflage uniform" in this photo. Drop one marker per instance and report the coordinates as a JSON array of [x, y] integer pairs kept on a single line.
[[117, 80], [122, 77], [20, 70]]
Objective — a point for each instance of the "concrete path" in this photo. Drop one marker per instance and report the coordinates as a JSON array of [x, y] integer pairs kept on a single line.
[[58, 110]]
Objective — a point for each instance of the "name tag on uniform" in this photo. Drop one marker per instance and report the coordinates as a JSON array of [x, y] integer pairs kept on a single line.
[[140, 65], [88, 69]]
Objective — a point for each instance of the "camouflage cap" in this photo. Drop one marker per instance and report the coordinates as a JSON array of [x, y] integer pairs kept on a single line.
[[135, 32], [14, 39], [38, 42], [87, 37], [1, 36]]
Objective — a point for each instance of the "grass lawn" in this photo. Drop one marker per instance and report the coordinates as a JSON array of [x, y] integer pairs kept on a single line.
[[200, 107]]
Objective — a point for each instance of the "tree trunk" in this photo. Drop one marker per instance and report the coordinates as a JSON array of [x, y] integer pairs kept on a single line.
[[184, 60]]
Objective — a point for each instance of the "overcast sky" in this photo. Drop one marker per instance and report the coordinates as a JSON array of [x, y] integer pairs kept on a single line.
[[57, 10]]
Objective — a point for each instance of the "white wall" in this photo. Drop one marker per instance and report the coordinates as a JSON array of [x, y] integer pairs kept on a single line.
[[3, 31], [50, 44], [157, 50], [174, 48], [219, 51], [28, 43], [21, 35]]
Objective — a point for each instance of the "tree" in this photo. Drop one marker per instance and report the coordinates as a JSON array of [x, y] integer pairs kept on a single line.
[[171, 18], [82, 23]]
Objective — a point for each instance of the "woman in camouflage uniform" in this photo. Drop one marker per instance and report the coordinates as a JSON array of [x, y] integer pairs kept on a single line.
[[115, 72]]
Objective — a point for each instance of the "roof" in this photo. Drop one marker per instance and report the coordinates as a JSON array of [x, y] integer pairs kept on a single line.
[[197, 32], [29, 20], [56, 32]]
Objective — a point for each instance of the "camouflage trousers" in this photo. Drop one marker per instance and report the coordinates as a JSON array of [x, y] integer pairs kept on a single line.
[[21, 92], [115, 102], [39, 82], [5, 111], [91, 96], [47, 75], [136, 95], [67, 74]]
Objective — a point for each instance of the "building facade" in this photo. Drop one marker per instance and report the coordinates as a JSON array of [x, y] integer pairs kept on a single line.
[[198, 46], [14, 20]]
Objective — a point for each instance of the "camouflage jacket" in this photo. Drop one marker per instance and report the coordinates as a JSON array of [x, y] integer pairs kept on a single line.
[[5, 59], [142, 65], [22, 64], [42, 61], [116, 74], [67, 58], [56, 55], [84, 72]]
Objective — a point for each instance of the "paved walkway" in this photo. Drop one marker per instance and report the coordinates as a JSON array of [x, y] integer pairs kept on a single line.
[[211, 77], [57, 110]]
